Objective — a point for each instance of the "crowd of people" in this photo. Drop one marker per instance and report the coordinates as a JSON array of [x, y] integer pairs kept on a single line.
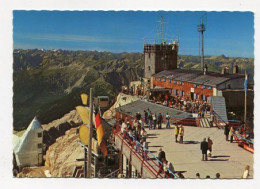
[[134, 131], [200, 107]]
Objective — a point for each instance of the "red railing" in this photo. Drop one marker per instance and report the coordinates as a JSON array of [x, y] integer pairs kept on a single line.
[[143, 154]]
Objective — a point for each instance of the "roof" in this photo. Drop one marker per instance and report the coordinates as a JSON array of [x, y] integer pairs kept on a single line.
[[141, 105], [197, 76], [35, 124]]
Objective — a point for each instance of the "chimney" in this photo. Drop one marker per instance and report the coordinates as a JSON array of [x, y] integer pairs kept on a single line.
[[205, 69], [235, 69]]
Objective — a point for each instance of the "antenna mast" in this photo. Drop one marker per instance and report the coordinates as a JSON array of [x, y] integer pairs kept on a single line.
[[201, 29], [161, 22]]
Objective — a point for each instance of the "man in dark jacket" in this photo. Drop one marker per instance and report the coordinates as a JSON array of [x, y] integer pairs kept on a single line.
[[226, 131], [204, 148], [160, 121], [161, 157]]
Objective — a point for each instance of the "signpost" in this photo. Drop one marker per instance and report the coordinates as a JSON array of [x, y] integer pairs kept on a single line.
[[89, 171]]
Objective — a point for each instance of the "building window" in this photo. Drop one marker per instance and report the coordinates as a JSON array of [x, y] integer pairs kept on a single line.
[[203, 87], [169, 80], [195, 85], [159, 79], [174, 82], [39, 145], [39, 135], [149, 54], [209, 87], [164, 79], [180, 82], [149, 68]]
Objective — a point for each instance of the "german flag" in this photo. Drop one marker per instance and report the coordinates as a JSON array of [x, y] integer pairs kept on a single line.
[[100, 134]]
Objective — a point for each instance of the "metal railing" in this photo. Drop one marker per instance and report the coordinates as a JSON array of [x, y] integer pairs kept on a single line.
[[129, 139]]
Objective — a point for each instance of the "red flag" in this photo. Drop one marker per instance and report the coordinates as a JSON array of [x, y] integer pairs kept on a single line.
[[100, 134]]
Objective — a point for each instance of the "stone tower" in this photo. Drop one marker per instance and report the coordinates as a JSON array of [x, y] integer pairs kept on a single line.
[[159, 57]]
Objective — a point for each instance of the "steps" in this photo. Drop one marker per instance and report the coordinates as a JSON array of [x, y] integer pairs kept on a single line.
[[205, 122], [219, 107]]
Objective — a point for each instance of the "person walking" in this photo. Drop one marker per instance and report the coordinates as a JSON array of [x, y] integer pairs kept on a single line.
[[217, 176], [160, 121], [210, 143], [226, 131], [167, 117], [181, 132], [204, 148], [176, 132], [231, 134]]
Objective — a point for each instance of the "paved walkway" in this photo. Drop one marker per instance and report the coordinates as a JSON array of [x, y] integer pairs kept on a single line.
[[227, 158]]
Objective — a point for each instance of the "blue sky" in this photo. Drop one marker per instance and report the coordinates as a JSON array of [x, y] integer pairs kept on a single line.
[[228, 33]]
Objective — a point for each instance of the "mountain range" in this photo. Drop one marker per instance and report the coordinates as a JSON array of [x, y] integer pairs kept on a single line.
[[48, 83]]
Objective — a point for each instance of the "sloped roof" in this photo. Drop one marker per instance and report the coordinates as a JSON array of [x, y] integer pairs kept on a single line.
[[141, 105], [197, 76], [35, 124]]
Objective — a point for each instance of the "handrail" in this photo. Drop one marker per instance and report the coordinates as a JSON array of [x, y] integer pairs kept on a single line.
[[218, 116], [144, 149], [111, 173], [136, 153], [242, 138]]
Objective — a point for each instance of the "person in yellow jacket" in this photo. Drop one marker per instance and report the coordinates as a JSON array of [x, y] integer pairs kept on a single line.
[[181, 133], [231, 131], [176, 132]]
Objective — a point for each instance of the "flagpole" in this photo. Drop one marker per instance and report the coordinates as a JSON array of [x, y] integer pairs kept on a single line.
[[245, 97], [89, 171]]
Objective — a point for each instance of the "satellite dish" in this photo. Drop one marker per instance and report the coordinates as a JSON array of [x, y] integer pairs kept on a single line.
[[84, 134]]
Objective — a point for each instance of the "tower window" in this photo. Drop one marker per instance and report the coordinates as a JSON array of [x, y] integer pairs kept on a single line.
[[149, 55], [39, 135], [39, 145], [149, 68]]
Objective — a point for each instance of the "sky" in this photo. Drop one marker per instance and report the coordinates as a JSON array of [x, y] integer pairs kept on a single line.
[[228, 33]]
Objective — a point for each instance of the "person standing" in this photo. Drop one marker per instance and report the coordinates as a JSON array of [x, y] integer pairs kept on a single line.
[[246, 172], [154, 120], [210, 143], [181, 132], [231, 134], [160, 121], [204, 148], [167, 117], [146, 117], [226, 131], [162, 158], [150, 119], [176, 132]]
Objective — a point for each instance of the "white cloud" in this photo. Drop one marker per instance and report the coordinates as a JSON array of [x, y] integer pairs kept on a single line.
[[75, 38]]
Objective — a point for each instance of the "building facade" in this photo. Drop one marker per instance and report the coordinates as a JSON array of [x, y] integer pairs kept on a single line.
[[195, 84]]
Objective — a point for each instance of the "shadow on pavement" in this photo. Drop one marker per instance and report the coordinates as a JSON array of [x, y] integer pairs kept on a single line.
[[191, 142]]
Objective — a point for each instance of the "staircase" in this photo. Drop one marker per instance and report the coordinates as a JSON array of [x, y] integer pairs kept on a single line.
[[219, 107], [205, 122]]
